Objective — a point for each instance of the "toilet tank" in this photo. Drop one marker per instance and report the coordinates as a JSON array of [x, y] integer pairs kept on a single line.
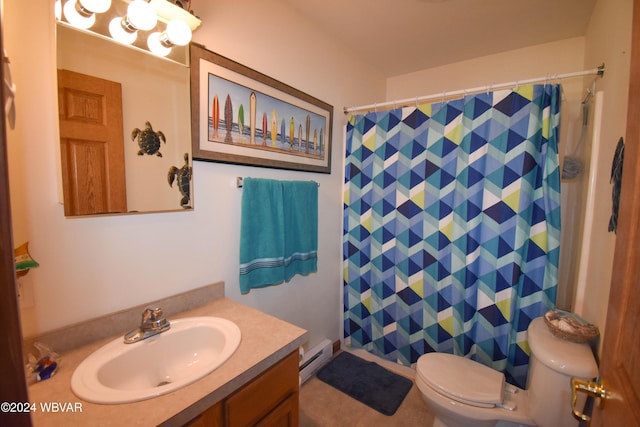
[[552, 364]]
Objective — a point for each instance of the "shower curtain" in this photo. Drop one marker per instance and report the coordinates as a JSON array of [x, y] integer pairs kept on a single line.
[[452, 227]]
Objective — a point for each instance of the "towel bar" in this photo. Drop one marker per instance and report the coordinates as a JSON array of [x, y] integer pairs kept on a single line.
[[239, 182]]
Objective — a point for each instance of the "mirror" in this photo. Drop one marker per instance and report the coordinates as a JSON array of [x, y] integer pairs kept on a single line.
[[155, 132]]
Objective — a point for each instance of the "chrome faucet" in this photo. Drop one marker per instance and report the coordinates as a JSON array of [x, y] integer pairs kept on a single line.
[[153, 322]]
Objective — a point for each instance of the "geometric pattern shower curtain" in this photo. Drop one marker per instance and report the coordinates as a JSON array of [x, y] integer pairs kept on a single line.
[[452, 227]]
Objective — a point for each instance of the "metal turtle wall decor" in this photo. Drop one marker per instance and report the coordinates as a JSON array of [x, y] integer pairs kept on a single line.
[[148, 140], [182, 177]]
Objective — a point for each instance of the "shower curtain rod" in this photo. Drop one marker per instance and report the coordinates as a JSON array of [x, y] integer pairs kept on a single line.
[[398, 103]]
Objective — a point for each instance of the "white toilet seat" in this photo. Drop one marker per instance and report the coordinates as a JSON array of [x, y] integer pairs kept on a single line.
[[449, 385], [451, 410], [462, 379]]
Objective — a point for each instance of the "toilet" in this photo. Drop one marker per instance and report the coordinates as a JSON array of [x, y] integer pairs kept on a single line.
[[461, 392]]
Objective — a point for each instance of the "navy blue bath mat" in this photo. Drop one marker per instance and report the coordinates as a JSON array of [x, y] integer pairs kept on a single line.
[[366, 381]]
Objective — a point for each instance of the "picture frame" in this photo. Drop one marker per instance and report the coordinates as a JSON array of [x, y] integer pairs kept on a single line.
[[273, 125]]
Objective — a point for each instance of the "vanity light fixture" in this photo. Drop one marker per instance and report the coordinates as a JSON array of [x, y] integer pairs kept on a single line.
[[140, 16], [177, 33], [94, 6], [167, 27], [155, 45], [81, 13]]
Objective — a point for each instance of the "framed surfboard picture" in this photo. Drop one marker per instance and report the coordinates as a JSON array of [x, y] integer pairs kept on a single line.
[[242, 116]]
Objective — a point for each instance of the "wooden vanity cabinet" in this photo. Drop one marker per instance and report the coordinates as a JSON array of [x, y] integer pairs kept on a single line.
[[270, 400], [212, 417]]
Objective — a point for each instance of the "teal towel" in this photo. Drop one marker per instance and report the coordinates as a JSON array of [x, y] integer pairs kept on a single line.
[[278, 231]]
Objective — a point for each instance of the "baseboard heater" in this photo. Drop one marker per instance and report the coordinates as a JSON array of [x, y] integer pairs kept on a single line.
[[314, 359]]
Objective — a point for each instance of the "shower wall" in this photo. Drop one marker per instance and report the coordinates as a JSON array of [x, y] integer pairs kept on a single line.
[[575, 193], [596, 156]]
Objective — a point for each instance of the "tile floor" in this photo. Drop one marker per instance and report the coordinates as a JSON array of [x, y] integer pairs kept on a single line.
[[324, 406]]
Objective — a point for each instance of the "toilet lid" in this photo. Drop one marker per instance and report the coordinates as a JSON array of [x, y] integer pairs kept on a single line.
[[461, 379]]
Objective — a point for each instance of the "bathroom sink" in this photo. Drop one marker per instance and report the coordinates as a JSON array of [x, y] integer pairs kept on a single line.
[[121, 373]]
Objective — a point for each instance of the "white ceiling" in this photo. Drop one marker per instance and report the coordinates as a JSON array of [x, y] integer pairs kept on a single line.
[[402, 36]]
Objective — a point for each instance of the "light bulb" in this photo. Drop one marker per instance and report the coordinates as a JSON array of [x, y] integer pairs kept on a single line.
[[75, 18], [156, 46], [141, 15], [118, 32], [96, 6], [178, 32], [57, 9]]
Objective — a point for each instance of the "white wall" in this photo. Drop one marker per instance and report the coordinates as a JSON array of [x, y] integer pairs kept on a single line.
[[608, 40], [536, 61], [93, 266]]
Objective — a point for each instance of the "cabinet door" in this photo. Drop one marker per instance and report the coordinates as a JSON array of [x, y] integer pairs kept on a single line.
[[251, 404], [212, 417], [284, 415]]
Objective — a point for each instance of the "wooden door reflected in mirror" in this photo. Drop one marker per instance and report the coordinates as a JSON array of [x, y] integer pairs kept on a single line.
[[91, 144]]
